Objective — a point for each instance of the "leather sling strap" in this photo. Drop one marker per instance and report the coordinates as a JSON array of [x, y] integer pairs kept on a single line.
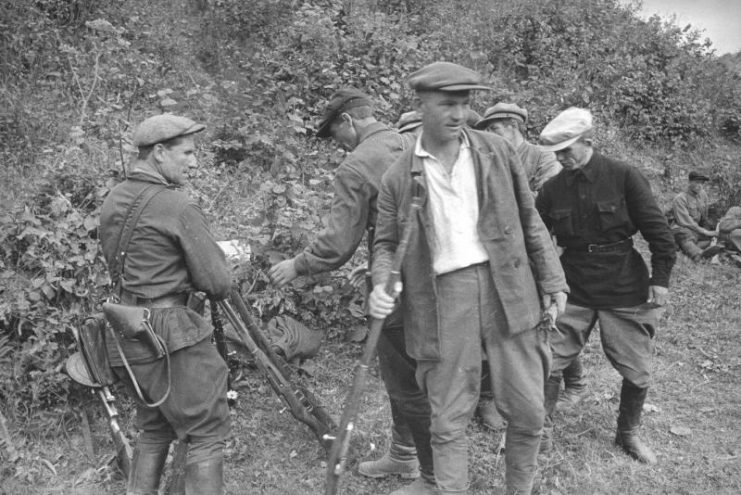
[[117, 270]]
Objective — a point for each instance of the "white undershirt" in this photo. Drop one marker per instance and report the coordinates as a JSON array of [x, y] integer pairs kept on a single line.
[[454, 208]]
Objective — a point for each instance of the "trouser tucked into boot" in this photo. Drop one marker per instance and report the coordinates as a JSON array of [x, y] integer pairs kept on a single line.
[[146, 468], [205, 477], [629, 421]]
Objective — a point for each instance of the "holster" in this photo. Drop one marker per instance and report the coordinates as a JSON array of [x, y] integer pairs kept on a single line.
[[134, 332]]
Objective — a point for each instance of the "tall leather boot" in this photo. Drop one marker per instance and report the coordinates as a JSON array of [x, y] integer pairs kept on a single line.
[[574, 385], [146, 469], [552, 391], [205, 477], [629, 421]]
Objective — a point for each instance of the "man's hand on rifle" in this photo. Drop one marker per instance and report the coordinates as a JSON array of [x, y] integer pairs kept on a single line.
[[283, 273], [380, 304]]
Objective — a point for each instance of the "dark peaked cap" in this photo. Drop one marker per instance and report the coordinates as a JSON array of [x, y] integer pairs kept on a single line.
[[342, 100], [445, 76]]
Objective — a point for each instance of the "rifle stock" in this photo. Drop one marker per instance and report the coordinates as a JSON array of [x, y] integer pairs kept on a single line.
[[341, 441]]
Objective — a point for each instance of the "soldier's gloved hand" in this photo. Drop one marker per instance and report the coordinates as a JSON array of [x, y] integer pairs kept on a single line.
[[282, 273], [380, 304], [357, 277]]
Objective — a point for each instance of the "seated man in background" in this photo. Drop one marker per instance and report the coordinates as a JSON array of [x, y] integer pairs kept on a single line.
[[688, 219]]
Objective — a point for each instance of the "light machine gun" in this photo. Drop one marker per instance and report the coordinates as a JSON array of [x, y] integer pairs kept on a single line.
[[84, 367], [300, 401]]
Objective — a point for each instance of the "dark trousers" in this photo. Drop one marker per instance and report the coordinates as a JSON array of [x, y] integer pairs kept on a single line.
[[410, 409], [196, 410]]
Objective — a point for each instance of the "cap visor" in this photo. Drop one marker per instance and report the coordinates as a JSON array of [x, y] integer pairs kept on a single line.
[[559, 146], [409, 126], [323, 131], [483, 123], [464, 87]]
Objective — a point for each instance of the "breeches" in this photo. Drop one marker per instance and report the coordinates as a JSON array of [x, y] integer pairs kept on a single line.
[[196, 410], [626, 334]]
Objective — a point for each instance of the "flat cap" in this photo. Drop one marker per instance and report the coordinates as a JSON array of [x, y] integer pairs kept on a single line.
[[409, 120], [699, 175], [445, 76], [565, 129], [163, 128], [502, 111], [342, 100]]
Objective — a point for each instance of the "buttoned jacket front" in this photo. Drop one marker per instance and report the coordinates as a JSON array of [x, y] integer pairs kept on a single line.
[[522, 259]]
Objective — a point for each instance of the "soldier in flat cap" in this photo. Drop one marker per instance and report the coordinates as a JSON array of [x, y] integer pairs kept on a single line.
[[594, 207], [510, 121], [170, 254], [469, 288], [372, 147], [688, 219]]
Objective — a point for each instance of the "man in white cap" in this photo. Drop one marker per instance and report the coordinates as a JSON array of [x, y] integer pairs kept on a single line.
[[473, 279], [171, 253], [509, 120], [594, 207]]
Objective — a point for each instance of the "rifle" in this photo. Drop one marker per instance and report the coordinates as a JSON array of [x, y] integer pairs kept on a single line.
[[99, 380], [300, 401], [341, 442]]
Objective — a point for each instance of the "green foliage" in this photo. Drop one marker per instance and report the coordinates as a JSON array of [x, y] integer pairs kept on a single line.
[[53, 276], [656, 81], [259, 74]]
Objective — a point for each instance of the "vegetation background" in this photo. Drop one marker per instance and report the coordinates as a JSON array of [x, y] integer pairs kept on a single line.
[[76, 75]]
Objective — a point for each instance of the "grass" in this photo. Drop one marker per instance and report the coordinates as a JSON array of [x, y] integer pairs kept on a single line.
[[691, 422]]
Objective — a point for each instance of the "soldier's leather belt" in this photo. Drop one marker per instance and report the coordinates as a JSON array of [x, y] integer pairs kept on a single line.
[[166, 301], [610, 247]]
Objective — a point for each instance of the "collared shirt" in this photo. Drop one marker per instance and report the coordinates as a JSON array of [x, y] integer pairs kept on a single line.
[[605, 202], [454, 209], [689, 210]]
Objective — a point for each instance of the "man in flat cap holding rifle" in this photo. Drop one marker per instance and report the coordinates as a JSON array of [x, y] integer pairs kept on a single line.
[[469, 288], [169, 254], [594, 207]]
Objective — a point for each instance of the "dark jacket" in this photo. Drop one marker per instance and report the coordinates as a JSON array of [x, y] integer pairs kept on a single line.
[[353, 209], [607, 202], [171, 251], [508, 226]]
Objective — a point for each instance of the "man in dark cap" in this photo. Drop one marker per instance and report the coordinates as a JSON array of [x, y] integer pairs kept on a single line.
[[171, 253], [688, 219], [373, 146], [468, 286], [594, 206], [510, 121]]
